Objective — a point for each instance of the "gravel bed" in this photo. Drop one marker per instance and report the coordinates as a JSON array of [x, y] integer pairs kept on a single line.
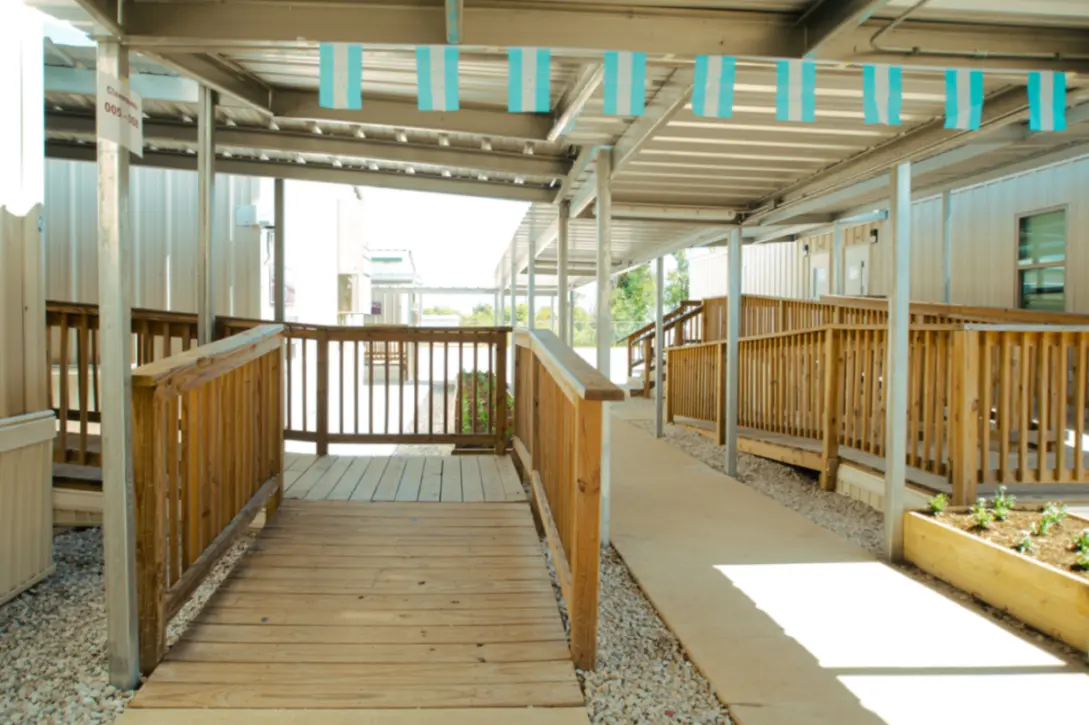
[[855, 521], [643, 675], [53, 638]]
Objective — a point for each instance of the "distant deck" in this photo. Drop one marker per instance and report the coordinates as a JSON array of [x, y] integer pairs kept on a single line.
[[416, 611]]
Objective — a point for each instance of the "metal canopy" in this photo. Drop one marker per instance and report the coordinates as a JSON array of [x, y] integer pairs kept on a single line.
[[677, 180]]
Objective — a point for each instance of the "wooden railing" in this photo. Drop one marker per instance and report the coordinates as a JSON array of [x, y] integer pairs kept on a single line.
[[72, 349], [207, 454], [986, 403], [558, 440], [680, 326], [382, 384]]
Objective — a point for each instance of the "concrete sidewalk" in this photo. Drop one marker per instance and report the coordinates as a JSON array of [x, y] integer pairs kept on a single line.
[[793, 625]]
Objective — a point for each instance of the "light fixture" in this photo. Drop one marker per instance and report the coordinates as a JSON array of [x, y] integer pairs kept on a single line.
[[228, 155], [191, 151], [273, 126], [263, 157], [231, 122], [401, 137], [316, 129], [482, 177], [300, 159], [446, 173], [410, 171], [58, 109], [873, 236], [519, 180], [444, 140], [486, 144], [372, 166], [187, 119], [360, 133], [528, 149], [338, 164]]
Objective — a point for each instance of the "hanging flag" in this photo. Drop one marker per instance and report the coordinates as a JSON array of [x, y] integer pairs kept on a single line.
[[625, 83], [796, 90], [882, 93], [713, 92], [340, 74], [529, 82], [437, 77], [1047, 101], [963, 99]]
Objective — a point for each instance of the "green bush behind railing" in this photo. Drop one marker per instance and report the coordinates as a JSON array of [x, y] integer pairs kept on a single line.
[[485, 382]]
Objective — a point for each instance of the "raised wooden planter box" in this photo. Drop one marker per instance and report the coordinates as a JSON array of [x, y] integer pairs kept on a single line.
[[26, 501], [1044, 597]]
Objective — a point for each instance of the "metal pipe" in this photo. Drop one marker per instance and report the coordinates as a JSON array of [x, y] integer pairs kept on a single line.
[[733, 336], [513, 313], [563, 212], [604, 326], [531, 292], [279, 283], [206, 174], [115, 317], [837, 258], [659, 312], [896, 365], [947, 246]]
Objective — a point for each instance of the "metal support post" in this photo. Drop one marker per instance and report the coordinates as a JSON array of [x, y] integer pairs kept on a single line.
[[604, 326], [733, 335], [206, 176], [531, 292], [497, 310], [115, 350], [563, 216], [947, 247], [278, 264], [513, 315], [896, 364], [659, 352], [838, 284]]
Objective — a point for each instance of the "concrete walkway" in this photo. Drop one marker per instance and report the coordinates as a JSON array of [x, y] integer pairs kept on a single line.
[[793, 625]]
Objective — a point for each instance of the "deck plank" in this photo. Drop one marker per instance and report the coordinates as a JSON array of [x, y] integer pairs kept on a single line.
[[472, 488], [431, 486], [377, 606], [331, 716], [512, 484], [451, 479], [411, 479], [489, 476], [313, 474]]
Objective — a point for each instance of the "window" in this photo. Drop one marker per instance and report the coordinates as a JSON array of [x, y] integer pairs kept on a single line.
[[1041, 261]]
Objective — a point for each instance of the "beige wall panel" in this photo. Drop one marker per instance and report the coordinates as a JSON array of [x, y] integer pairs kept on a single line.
[[775, 270], [164, 255]]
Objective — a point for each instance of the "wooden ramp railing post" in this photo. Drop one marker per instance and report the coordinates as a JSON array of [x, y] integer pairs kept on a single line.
[[501, 412], [832, 362], [966, 419], [323, 394], [149, 470], [582, 608]]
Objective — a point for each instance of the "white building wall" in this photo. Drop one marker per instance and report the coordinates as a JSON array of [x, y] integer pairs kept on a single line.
[[984, 245], [164, 252]]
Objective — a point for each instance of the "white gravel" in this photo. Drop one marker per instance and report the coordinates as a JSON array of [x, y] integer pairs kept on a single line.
[[855, 521], [643, 675], [53, 639]]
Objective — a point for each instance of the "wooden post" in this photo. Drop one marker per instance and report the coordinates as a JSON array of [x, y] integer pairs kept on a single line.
[[323, 392], [647, 358], [964, 428], [670, 364], [276, 432], [149, 471], [501, 395], [832, 364], [533, 401], [585, 552], [720, 394]]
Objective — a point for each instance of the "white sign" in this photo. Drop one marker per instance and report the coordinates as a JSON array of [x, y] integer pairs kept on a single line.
[[120, 114]]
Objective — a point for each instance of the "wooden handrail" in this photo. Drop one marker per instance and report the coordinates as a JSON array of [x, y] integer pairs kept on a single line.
[[568, 368], [558, 441], [208, 443]]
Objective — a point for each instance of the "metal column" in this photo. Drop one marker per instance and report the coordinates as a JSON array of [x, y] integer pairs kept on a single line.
[[733, 334], [604, 326], [947, 247], [563, 216], [531, 292], [115, 349], [659, 312], [837, 259], [513, 314], [279, 234], [419, 309], [206, 176], [497, 310], [896, 365]]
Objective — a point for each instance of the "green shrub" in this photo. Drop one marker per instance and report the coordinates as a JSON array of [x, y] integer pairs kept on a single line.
[[1003, 504], [982, 517], [1081, 541], [485, 382], [937, 504]]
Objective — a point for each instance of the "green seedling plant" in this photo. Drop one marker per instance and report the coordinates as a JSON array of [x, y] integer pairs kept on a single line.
[[982, 517], [1083, 560], [937, 504], [1003, 504], [1024, 545], [1041, 527], [1056, 511], [1081, 542]]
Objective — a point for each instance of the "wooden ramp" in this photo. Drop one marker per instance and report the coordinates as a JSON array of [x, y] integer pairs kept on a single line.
[[384, 613]]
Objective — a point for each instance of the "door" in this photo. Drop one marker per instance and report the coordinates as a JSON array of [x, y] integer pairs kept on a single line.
[[856, 281], [818, 275]]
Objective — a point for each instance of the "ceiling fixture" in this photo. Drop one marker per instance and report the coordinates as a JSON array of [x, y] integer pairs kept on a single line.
[[228, 155], [360, 133], [519, 180], [231, 122], [300, 159], [372, 166], [191, 151], [316, 129], [444, 140], [58, 109], [263, 157], [482, 177], [410, 171], [528, 149], [446, 173], [401, 137], [273, 126], [337, 163], [486, 144], [187, 119]]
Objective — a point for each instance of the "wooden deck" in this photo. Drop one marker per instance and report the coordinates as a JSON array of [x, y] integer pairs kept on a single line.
[[359, 611], [469, 478]]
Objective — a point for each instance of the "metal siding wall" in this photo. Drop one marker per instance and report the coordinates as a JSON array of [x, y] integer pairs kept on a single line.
[[164, 251], [775, 270]]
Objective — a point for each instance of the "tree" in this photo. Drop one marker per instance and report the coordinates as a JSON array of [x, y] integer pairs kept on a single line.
[[483, 315], [441, 311], [631, 301], [676, 288]]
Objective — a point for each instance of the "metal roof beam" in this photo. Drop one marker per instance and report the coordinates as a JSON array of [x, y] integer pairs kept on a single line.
[[654, 30], [327, 145], [575, 100], [226, 82], [316, 172], [831, 19], [402, 114]]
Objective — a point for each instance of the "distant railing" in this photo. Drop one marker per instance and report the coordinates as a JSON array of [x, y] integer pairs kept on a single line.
[[986, 403], [679, 326], [385, 384], [558, 439], [72, 350], [207, 455]]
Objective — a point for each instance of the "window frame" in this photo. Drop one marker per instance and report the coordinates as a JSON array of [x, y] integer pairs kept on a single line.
[[1018, 268]]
